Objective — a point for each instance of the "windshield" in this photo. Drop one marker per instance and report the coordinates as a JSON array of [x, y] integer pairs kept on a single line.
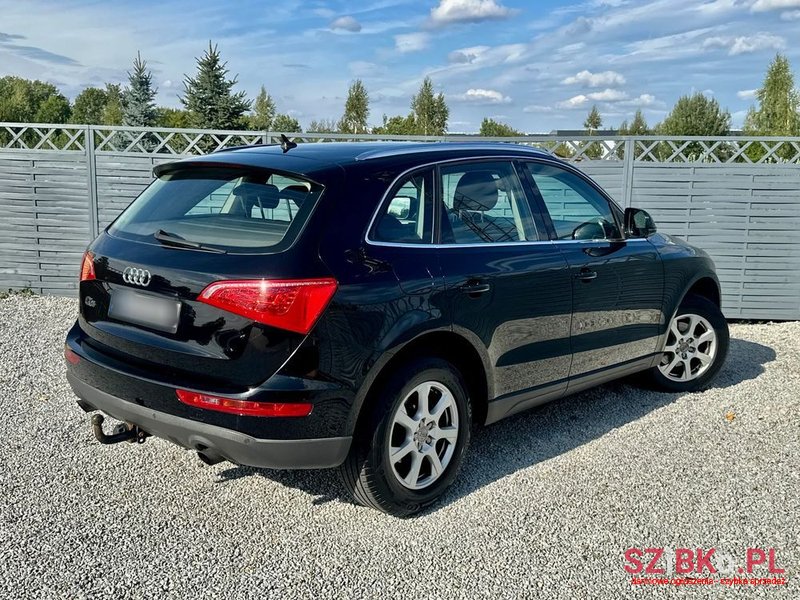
[[224, 208]]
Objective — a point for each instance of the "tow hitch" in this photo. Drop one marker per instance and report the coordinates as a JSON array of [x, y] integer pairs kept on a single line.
[[124, 432]]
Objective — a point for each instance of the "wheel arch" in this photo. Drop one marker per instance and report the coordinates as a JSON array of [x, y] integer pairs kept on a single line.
[[445, 344]]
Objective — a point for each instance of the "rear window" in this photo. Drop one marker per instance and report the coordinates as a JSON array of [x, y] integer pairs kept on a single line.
[[228, 209]]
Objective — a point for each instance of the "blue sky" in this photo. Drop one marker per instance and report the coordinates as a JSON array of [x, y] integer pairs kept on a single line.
[[535, 65]]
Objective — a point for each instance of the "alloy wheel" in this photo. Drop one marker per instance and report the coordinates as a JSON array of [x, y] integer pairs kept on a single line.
[[423, 435], [690, 349]]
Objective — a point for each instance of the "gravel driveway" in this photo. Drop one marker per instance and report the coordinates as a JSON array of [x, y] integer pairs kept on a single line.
[[545, 507]]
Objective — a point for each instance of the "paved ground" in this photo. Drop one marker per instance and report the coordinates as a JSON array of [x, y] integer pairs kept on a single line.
[[546, 506]]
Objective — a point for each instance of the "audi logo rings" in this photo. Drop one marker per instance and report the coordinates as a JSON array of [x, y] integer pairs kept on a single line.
[[136, 276]]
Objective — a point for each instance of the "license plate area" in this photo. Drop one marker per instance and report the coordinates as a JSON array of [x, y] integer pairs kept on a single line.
[[153, 312]]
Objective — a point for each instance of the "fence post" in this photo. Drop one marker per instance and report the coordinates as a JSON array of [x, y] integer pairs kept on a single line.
[[265, 137], [91, 175], [627, 172]]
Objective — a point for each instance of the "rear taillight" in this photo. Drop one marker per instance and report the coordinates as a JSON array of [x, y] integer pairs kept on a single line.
[[245, 408], [288, 304], [87, 267], [71, 356]]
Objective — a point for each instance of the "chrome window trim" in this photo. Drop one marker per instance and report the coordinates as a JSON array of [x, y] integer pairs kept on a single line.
[[392, 185]]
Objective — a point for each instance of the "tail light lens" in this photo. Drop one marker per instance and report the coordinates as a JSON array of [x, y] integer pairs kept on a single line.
[[87, 267], [71, 355], [294, 305], [245, 408]]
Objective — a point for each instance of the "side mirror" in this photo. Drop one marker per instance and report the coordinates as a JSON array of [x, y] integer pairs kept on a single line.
[[638, 223]]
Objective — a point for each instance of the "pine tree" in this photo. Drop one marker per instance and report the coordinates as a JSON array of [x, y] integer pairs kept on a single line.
[[356, 110], [138, 99], [430, 110], [264, 111], [209, 96], [592, 123], [638, 127]]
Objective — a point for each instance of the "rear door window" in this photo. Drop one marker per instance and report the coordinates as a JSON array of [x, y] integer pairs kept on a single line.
[[231, 209], [484, 204]]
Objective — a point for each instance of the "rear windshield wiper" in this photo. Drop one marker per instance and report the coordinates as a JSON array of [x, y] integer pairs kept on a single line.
[[173, 239]]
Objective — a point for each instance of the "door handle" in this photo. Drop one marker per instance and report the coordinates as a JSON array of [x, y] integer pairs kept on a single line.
[[475, 288], [586, 275]]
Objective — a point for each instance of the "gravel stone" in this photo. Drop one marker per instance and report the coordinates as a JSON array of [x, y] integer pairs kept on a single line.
[[545, 506]]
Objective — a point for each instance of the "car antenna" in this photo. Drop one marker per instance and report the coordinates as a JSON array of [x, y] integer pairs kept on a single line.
[[287, 144]]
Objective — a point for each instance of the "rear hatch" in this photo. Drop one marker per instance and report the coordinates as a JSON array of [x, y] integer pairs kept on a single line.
[[203, 279]]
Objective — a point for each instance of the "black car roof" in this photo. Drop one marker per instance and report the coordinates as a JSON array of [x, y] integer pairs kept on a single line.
[[315, 157], [344, 152]]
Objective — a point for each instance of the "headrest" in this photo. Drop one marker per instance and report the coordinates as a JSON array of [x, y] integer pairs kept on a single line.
[[264, 195], [476, 191], [297, 193]]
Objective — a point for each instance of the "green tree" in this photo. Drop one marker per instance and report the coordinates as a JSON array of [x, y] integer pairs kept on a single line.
[[397, 125], [32, 101], [89, 106], [209, 95], [430, 110], [138, 99], [322, 126], [263, 111], [592, 124], [112, 113], [695, 115], [173, 118], [492, 128], [55, 109], [637, 127], [777, 111], [286, 124], [356, 109]]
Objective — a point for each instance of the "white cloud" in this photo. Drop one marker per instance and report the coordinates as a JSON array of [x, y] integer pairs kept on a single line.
[[746, 94], [589, 79], [745, 44], [167, 83], [717, 7], [346, 24], [644, 100], [483, 96], [536, 108], [574, 102], [468, 11], [363, 68], [765, 5], [608, 95], [790, 15], [411, 42]]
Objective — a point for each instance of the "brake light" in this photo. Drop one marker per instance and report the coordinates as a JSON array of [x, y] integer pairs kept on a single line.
[[288, 304], [245, 408], [71, 356], [87, 267]]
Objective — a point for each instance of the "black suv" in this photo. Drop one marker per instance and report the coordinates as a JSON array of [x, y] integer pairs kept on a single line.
[[362, 306]]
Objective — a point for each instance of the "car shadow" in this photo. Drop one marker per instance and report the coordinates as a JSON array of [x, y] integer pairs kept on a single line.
[[536, 435]]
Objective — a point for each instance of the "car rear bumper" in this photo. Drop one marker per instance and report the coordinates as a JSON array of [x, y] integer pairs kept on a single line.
[[212, 440]]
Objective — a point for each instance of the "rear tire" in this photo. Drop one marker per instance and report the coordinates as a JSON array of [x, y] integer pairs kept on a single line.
[[411, 446], [695, 348]]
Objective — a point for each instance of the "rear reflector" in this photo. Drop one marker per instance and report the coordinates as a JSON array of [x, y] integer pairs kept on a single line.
[[245, 408], [294, 305], [71, 356], [87, 267]]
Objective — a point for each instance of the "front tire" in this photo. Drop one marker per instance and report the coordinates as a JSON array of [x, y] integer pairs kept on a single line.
[[411, 448], [695, 348]]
